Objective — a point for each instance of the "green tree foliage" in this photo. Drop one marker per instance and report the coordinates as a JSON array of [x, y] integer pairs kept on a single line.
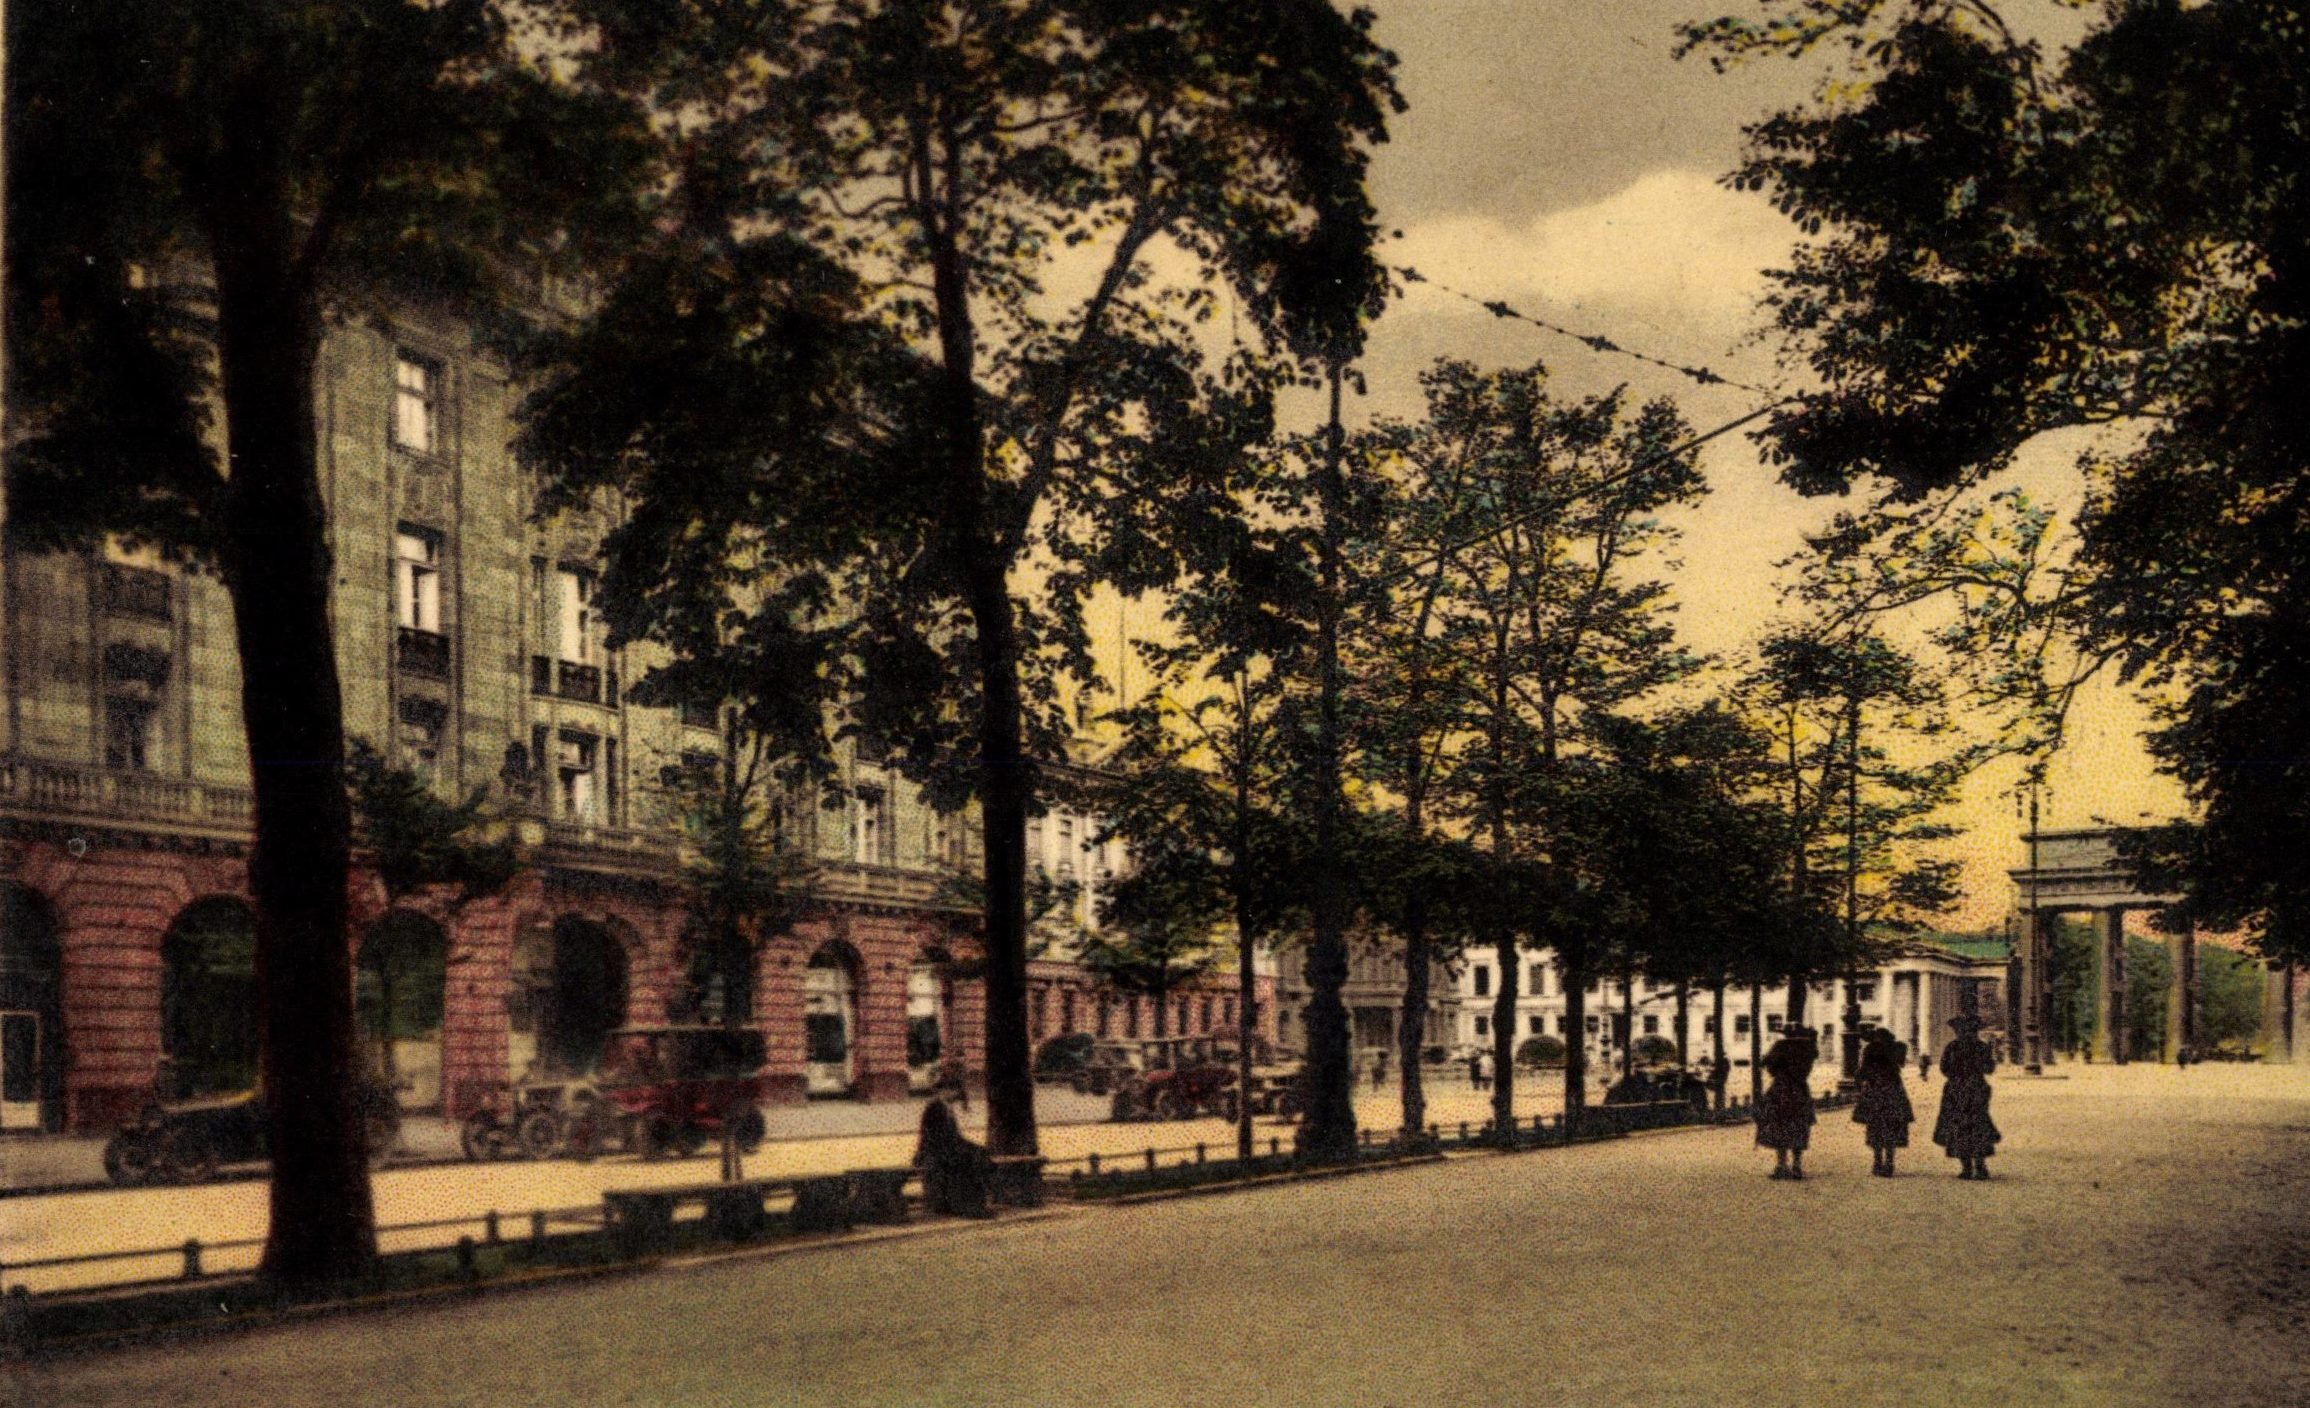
[[194, 193], [749, 879], [2010, 242], [1547, 599], [2230, 987], [964, 170], [1157, 923], [416, 842]]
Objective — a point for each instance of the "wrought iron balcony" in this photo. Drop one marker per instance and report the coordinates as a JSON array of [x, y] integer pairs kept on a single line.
[[422, 652], [565, 679]]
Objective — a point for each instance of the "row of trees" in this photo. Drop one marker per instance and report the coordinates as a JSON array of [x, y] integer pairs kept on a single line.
[[1525, 764]]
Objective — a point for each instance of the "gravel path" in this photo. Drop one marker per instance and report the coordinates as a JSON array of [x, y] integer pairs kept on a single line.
[[2143, 1242]]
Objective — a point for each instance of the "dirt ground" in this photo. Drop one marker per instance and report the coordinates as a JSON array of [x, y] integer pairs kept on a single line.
[[2143, 1241]]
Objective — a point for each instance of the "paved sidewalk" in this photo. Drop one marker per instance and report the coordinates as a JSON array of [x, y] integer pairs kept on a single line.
[[2138, 1247]]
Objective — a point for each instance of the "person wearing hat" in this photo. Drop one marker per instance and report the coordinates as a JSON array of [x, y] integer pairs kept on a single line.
[[1882, 1106], [1964, 1130], [1785, 1114]]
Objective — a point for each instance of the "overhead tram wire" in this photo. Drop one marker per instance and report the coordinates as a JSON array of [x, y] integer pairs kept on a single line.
[[1594, 342], [1600, 344]]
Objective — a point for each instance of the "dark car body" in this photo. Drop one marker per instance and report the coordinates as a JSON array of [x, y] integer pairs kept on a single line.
[[674, 1087], [186, 1141]]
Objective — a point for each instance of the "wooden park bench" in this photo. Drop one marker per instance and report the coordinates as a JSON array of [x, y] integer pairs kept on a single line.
[[642, 1219], [879, 1194], [1017, 1181]]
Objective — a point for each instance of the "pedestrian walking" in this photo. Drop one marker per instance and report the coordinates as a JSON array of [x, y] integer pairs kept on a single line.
[[1785, 1115], [1924, 1062], [1380, 1070], [1882, 1106], [1719, 1075], [1475, 1069], [1964, 1130]]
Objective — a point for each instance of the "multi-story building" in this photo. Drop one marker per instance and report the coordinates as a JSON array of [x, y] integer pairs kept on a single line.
[[471, 647]]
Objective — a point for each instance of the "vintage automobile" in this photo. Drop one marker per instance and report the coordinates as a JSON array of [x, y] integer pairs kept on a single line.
[[1178, 1078], [533, 1118], [1106, 1065], [669, 1090], [186, 1141]]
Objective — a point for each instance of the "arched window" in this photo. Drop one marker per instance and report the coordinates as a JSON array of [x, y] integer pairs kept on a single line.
[[208, 998]]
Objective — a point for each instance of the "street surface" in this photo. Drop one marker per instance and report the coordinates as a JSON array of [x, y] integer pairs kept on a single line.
[[161, 1219], [2142, 1243]]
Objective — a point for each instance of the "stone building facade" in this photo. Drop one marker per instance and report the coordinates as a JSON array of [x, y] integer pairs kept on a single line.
[[469, 646]]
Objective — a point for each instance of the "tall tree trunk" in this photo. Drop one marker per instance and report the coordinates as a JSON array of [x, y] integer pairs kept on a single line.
[[1627, 1025], [1411, 1032], [1756, 1043], [1246, 1019], [1683, 1024], [1800, 986], [1716, 992], [1504, 1040], [1006, 783], [1328, 1133], [278, 572], [1575, 972]]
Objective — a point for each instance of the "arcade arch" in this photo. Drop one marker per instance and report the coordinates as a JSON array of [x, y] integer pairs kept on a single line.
[[31, 1013], [208, 998], [830, 1020], [400, 984], [569, 992]]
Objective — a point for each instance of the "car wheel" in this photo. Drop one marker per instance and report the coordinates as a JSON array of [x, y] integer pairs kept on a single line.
[[477, 1136], [538, 1136], [751, 1129], [1229, 1107], [128, 1158], [1171, 1105], [660, 1137], [1082, 1083], [187, 1156]]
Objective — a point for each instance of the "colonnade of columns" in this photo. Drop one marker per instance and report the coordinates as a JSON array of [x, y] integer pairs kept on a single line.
[[2031, 998]]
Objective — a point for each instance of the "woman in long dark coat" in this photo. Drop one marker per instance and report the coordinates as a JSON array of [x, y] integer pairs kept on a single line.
[[1785, 1114], [1882, 1107], [1964, 1130], [955, 1172]]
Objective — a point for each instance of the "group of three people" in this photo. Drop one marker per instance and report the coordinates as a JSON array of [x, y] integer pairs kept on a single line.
[[1964, 1130]]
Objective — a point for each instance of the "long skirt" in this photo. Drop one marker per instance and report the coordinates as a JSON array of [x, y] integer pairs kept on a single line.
[[1785, 1116], [1964, 1130], [1883, 1109]]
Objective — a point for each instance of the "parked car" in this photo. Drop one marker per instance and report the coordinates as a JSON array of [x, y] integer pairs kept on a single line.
[[186, 1141], [1106, 1065], [1063, 1058], [668, 1090], [1178, 1078]]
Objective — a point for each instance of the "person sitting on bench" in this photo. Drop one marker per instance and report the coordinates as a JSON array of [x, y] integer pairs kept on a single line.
[[955, 1172]]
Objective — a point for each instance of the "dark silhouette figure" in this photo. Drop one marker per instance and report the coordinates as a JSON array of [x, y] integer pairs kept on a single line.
[[1719, 1073], [1380, 1071], [949, 1083], [955, 1172], [1475, 1070], [1785, 1115], [1882, 1106], [1924, 1063], [1964, 1130]]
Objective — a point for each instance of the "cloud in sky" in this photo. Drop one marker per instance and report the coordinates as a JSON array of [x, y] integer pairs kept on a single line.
[[1672, 253]]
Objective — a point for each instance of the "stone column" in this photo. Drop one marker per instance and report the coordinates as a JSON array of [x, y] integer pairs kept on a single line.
[[2110, 1034], [2182, 999]]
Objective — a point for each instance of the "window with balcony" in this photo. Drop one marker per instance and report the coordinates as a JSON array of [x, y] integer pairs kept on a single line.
[[134, 591], [416, 404], [128, 732], [421, 648], [871, 830], [421, 725], [576, 767]]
